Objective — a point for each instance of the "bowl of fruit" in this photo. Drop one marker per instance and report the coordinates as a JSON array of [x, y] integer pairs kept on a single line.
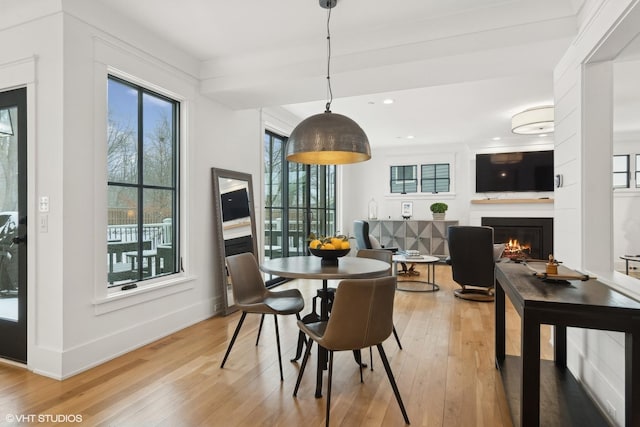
[[329, 248]]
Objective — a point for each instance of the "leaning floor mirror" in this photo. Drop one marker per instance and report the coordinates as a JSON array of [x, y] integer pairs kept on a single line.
[[235, 225]]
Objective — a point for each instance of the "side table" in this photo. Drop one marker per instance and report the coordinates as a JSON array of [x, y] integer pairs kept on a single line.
[[430, 281]]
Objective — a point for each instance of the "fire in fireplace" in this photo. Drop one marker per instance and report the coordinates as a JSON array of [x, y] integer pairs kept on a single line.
[[515, 250], [524, 238]]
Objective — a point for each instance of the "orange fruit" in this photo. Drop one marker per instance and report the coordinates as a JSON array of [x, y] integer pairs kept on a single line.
[[345, 245], [315, 244], [336, 242], [328, 246]]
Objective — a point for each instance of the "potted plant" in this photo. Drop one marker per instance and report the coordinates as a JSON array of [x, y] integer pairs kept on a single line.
[[438, 209]]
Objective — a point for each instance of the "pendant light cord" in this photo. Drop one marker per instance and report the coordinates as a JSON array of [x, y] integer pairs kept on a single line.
[[329, 92]]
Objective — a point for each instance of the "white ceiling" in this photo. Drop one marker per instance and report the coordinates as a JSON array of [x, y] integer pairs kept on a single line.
[[457, 69]]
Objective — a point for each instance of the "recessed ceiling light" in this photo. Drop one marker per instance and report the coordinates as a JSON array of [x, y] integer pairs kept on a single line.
[[388, 101], [410, 136], [496, 138]]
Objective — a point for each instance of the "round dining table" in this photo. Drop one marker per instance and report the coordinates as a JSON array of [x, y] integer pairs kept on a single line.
[[311, 267]]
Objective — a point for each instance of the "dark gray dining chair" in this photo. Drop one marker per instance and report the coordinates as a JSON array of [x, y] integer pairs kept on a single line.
[[252, 296]]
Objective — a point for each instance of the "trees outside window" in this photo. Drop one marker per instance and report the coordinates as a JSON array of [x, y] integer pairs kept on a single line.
[[142, 170]]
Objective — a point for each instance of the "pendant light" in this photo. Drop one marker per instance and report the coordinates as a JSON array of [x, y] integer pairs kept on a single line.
[[328, 138]]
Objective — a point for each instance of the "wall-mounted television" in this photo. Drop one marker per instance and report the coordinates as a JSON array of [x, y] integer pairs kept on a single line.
[[517, 171], [235, 205]]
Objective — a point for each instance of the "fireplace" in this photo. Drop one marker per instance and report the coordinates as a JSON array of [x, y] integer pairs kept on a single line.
[[523, 237]]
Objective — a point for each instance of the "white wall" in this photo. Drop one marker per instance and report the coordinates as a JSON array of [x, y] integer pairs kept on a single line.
[[73, 323], [583, 209]]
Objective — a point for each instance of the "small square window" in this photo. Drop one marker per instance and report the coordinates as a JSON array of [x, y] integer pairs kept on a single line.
[[404, 179], [435, 178]]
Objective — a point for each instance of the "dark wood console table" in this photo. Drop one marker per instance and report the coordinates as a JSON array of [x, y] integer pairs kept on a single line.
[[582, 304]]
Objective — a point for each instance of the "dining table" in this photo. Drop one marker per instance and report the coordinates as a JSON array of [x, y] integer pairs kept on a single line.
[[312, 267]]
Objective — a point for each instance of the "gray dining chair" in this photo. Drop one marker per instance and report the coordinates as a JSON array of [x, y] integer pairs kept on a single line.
[[252, 296], [386, 256], [362, 317]]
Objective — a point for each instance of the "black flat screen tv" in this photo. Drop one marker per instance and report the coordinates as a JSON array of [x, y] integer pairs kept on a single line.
[[235, 205], [517, 171]]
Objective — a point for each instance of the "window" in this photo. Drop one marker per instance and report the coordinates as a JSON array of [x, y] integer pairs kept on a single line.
[[435, 178], [142, 162], [299, 199], [404, 179], [621, 171]]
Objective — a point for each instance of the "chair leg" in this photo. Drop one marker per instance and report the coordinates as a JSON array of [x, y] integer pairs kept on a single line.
[[260, 328], [303, 365], [329, 386], [275, 320], [392, 380], [370, 358], [233, 339], [395, 334]]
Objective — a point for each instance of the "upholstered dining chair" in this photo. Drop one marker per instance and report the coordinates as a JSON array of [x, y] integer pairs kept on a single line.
[[386, 256], [471, 255], [362, 316], [252, 296]]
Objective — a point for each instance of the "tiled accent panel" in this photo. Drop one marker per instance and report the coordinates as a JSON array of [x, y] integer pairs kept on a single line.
[[428, 237]]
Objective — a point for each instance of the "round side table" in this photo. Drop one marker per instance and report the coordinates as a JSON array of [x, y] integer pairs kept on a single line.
[[429, 260]]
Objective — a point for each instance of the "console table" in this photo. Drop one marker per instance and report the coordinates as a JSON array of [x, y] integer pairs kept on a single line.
[[582, 304], [427, 237]]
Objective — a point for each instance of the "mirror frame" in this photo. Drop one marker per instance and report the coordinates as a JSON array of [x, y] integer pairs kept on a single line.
[[216, 175]]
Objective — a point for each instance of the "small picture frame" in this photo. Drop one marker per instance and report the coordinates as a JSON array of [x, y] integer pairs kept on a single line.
[[406, 209]]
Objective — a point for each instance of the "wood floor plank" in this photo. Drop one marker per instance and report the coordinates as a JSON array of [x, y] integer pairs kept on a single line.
[[445, 372]]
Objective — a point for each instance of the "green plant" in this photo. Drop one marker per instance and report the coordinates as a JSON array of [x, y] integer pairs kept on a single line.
[[439, 207]]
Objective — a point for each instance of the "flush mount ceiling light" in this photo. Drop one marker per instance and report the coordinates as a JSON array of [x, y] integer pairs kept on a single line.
[[328, 138], [533, 121]]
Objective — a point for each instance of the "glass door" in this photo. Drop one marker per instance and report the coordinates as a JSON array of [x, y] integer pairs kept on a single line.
[[13, 225]]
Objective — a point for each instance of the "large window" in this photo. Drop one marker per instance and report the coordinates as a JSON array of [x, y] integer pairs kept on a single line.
[[435, 178], [621, 171], [142, 160], [299, 199], [404, 179]]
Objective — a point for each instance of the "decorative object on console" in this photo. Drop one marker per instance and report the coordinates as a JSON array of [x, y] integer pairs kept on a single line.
[[406, 210], [552, 266], [534, 121], [373, 209], [328, 138], [438, 210]]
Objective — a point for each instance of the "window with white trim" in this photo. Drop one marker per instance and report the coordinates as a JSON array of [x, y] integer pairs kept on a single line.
[[435, 178], [142, 161], [404, 179]]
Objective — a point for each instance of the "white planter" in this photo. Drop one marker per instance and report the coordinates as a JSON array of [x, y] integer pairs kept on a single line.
[[438, 216]]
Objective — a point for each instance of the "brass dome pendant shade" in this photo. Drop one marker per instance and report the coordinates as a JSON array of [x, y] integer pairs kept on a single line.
[[328, 138]]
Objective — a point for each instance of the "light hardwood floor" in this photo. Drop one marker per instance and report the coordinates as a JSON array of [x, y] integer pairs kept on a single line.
[[445, 373]]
